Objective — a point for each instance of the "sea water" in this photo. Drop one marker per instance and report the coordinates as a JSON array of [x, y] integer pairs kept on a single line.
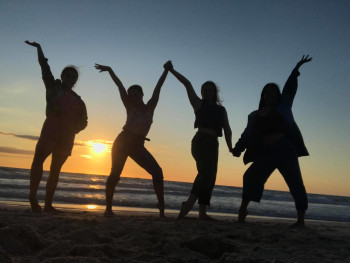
[[81, 189]]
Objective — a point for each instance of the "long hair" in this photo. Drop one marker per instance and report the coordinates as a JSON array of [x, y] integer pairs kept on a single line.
[[276, 89], [217, 100]]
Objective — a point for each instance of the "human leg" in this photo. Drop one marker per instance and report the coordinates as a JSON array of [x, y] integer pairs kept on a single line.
[[56, 164], [204, 199], [145, 159], [36, 173], [118, 162], [290, 170], [186, 206], [205, 153], [243, 211], [254, 180]]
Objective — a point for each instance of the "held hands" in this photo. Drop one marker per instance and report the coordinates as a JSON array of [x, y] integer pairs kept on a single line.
[[34, 44], [303, 60], [168, 65], [102, 68], [235, 152]]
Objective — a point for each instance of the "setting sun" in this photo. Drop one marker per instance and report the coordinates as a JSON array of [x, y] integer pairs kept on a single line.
[[98, 147]]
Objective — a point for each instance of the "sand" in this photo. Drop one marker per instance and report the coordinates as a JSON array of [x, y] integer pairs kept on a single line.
[[134, 236]]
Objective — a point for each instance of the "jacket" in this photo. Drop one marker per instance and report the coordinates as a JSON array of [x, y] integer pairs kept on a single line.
[[249, 140], [53, 92]]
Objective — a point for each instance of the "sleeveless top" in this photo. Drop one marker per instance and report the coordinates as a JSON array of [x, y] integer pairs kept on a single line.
[[210, 116], [139, 121]]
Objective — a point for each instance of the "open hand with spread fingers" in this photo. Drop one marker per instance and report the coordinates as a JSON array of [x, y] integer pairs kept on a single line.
[[303, 60]]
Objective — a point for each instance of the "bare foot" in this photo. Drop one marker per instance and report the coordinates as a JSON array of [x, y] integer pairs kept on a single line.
[[36, 208], [206, 217], [161, 210], [108, 214], [184, 210], [51, 209], [242, 215]]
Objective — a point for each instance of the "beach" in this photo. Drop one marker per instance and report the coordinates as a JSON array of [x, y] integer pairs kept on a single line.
[[81, 235]]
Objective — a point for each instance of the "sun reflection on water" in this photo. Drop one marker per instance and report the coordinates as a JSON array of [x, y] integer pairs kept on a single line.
[[91, 207]]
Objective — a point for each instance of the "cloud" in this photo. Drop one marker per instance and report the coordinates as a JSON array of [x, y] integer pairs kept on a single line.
[[87, 143], [90, 143], [86, 156], [29, 137], [80, 143], [14, 150]]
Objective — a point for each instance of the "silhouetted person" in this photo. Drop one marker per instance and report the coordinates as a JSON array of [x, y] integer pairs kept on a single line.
[[130, 142], [211, 118], [273, 140], [65, 116]]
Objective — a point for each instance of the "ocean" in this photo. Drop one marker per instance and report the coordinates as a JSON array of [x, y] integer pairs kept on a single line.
[[88, 189]]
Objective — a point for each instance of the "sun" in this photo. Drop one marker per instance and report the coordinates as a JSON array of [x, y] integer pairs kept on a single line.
[[99, 147]]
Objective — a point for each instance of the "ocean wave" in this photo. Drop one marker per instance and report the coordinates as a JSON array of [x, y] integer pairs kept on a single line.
[[134, 192]]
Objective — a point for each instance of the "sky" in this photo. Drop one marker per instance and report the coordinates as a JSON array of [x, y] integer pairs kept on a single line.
[[240, 45]]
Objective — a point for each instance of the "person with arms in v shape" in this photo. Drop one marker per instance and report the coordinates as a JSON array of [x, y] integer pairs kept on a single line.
[[130, 142]]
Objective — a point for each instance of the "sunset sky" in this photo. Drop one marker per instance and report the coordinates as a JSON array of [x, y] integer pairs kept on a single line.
[[240, 45]]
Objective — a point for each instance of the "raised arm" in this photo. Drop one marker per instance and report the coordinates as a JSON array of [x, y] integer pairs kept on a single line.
[[291, 86], [227, 132], [47, 76], [38, 47], [153, 101], [192, 96], [122, 90]]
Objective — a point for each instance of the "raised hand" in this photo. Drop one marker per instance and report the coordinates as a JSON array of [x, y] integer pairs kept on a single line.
[[303, 60], [102, 68], [168, 65], [34, 44]]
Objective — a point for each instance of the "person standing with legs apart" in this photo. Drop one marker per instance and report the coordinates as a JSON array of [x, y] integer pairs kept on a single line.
[[211, 118], [65, 116], [273, 140], [130, 142]]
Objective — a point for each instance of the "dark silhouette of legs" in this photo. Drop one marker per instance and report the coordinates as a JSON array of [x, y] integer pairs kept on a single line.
[[243, 211], [205, 152], [290, 170], [254, 180], [128, 145], [56, 164], [187, 205], [36, 173], [118, 162], [281, 155], [145, 159]]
